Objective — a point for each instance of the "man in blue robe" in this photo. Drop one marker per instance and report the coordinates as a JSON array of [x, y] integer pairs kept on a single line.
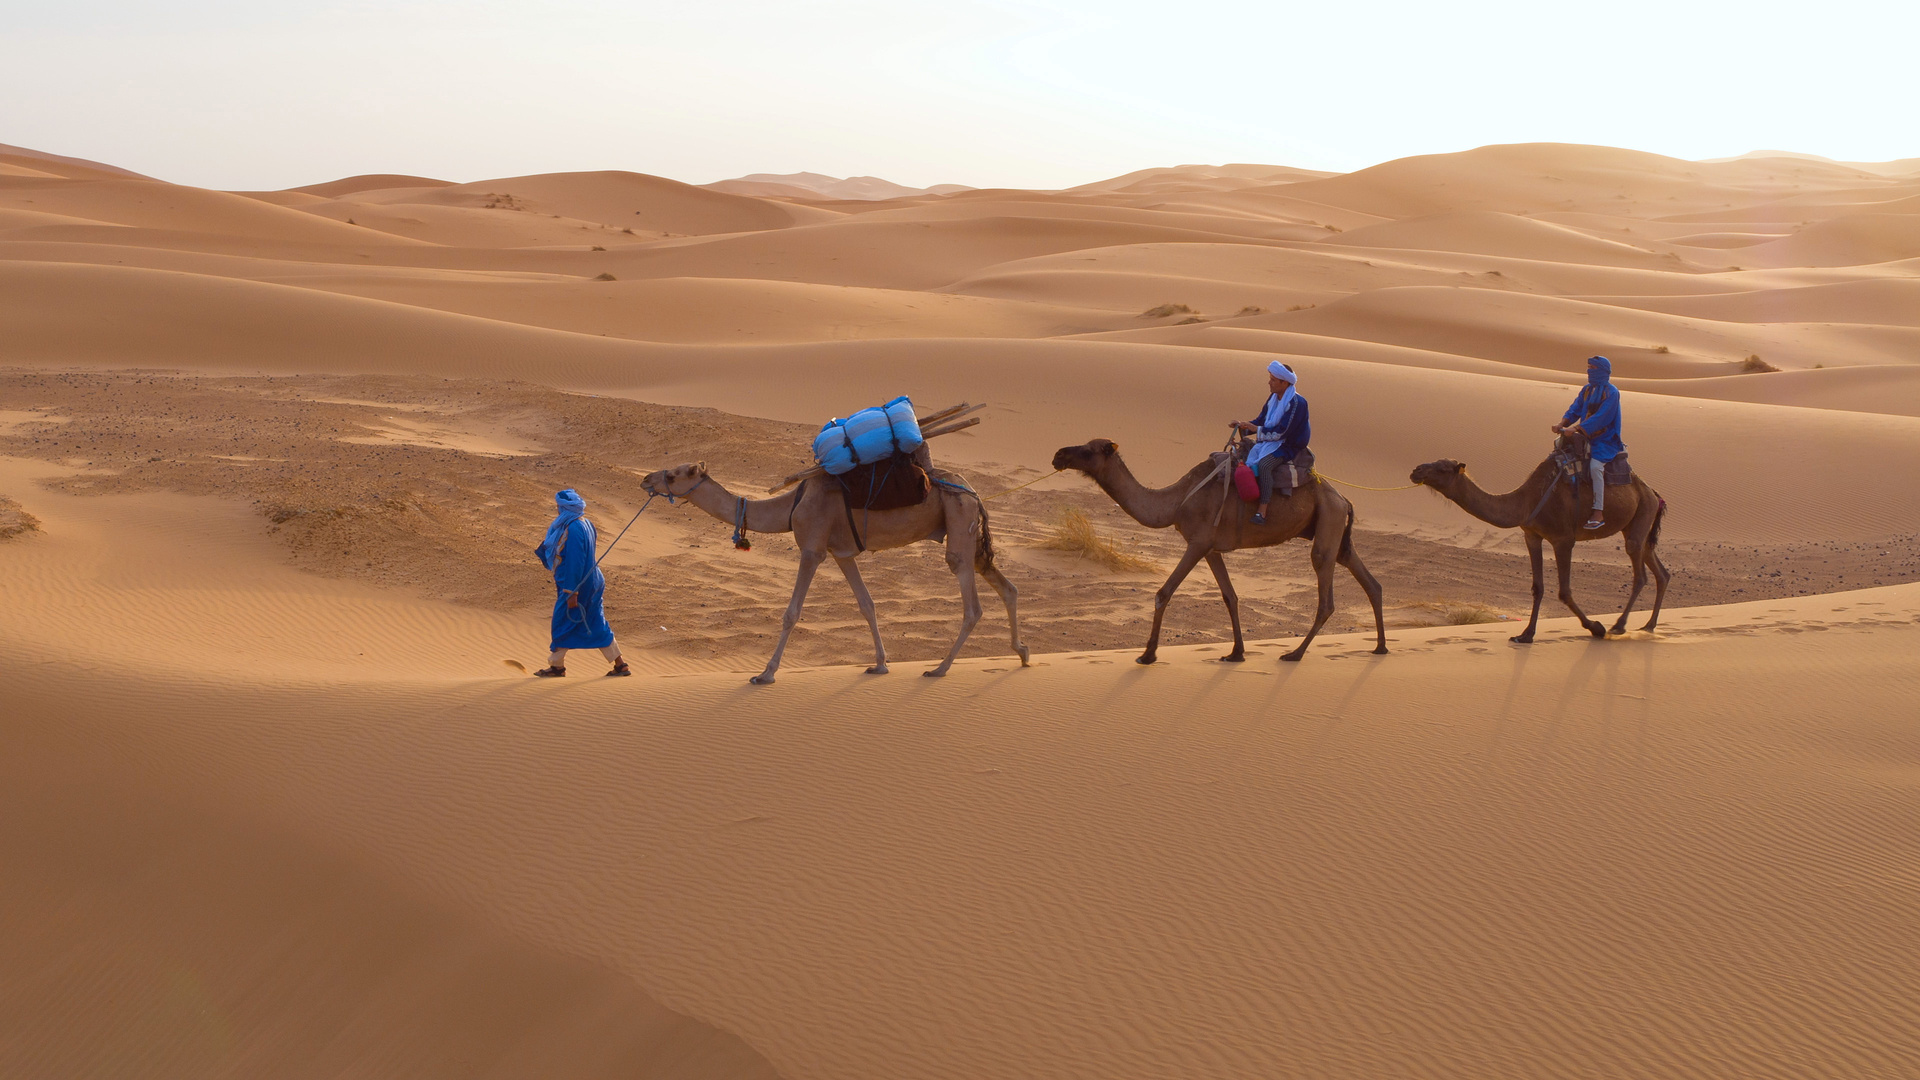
[[1280, 432], [1595, 413], [578, 621]]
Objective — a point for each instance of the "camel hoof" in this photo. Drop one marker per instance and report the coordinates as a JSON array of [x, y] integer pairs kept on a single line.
[[1294, 656], [1380, 651], [1521, 639], [1144, 659], [877, 669], [1024, 654], [936, 673], [761, 680], [1234, 658], [1596, 630]]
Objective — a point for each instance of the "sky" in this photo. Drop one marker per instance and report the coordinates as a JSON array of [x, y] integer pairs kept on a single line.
[[260, 94]]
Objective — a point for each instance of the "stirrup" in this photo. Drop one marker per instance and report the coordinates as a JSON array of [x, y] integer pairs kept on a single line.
[[551, 673]]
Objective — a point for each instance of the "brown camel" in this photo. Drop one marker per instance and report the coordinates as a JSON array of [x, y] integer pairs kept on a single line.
[[816, 514], [1316, 511], [1558, 517]]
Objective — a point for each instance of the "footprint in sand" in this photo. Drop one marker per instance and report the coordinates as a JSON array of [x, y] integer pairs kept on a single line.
[[516, 665]]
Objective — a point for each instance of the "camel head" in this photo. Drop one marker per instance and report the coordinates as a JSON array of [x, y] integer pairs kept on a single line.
[[1092, 458], [675, 482], [1439, 475]]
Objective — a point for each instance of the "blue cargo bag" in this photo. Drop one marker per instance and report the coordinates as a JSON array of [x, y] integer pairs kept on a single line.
[[868, 436]]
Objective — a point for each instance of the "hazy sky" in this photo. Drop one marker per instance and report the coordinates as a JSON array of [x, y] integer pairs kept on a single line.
[[1034, 93]]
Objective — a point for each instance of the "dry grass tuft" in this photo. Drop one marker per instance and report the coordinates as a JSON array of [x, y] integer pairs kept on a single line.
[[1165, 310], [1456, 612], [1074, 533], [14, 521], [1661, 349], [1250, 309], [606, 277], [597, 247], [1302, 307], [1189, 320], [1753, 365]]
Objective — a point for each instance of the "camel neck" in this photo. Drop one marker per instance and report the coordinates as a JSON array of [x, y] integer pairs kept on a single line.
[[1508, 511], [763, 515], [1155, 508]]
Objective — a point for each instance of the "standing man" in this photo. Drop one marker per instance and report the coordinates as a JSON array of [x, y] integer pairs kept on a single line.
[[1279, 433], [1595, 413], [578, 621]]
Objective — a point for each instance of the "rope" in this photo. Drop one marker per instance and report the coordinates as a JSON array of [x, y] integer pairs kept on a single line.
[[1318, 475], [1028, 484]]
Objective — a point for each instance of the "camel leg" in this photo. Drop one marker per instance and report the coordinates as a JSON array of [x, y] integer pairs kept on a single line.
[[1351, 560], [960, 561], [1323, 559], [1009, 596], [865, 600], [1525, 637], [1219, 567], [1165, 596], [1661, 575], [809, 562], [1636, 543], [1563, 562]]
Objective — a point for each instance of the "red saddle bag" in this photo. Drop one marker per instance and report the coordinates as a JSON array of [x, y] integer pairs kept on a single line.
[[1246, 483]]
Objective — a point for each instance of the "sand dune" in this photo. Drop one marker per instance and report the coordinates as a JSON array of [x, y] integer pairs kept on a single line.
[[277, 799]]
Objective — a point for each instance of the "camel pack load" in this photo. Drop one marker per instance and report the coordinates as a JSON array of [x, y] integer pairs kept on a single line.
[[868, 437]]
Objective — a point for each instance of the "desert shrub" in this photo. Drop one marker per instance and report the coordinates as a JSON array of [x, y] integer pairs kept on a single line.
[[1250, 309], [606, 277], [597, 247], [1165, 310], [1189, 319], [1302, 307], [1661, 349], [15, 521], [1457, 612], [1073, 532], [1753, 365]]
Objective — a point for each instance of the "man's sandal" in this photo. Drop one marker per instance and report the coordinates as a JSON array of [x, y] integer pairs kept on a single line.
[[551, 673], [620, 668], [1596, 523]]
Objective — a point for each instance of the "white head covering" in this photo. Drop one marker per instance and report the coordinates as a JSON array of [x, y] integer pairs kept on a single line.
[[1281, 371]]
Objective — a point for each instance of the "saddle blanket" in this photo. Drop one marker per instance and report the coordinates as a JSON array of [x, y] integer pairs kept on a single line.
[[891, 483]]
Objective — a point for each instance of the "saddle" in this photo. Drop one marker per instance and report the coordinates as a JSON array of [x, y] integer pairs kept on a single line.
[[1297, 473], [1571, 460], [892, 483]]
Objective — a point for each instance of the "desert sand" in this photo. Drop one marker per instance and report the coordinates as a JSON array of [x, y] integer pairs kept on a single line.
[[277, 797]]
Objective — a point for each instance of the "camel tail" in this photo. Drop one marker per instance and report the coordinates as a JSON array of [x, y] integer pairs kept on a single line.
[[983, 556], [1346, 537], [1660, 515]]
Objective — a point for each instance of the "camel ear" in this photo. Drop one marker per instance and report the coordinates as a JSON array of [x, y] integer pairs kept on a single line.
[[701, 468]]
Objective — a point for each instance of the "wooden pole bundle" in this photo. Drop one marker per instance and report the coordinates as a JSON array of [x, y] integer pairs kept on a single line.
[[933, 425]]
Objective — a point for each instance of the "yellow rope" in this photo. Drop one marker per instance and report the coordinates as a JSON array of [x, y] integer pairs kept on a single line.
[[1318, 475], [1011, 490]]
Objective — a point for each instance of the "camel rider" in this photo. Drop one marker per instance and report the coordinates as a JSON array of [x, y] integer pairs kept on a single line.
[[578, 620], [1595, 413], [1279, 433]]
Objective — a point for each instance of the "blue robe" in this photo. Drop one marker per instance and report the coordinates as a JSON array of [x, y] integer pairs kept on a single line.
[[1292, 424], [1597, 408], [583, 627]]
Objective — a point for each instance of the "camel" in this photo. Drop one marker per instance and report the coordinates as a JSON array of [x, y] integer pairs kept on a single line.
[[1558, 517], [816, 514], [1315, 511]]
